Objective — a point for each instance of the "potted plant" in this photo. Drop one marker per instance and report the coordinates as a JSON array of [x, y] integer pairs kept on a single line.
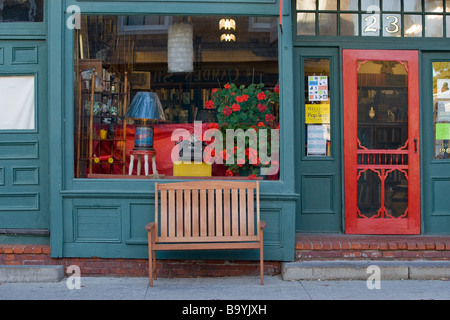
[[245, 108]]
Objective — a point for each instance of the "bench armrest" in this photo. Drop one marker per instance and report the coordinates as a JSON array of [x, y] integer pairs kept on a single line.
[[262, 224], [151, 226]]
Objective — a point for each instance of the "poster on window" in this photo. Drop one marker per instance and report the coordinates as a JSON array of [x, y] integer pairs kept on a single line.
[[17, 103], [318, 88], [317, 140]]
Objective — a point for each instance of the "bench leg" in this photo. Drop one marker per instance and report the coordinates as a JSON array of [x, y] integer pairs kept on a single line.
[[150, 259], [261, 259]]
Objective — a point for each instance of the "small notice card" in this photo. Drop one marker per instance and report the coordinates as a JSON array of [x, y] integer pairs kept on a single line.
[[318, 88]]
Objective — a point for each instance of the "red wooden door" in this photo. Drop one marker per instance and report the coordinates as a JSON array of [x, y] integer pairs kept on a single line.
[[381, 142]]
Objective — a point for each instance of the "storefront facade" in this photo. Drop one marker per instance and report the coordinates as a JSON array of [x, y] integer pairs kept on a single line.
[[360, 109]]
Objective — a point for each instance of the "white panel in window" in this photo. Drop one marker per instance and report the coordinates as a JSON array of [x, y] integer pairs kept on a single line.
[[17, 103]]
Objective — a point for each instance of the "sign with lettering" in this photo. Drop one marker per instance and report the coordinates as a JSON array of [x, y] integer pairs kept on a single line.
[[317, 113]]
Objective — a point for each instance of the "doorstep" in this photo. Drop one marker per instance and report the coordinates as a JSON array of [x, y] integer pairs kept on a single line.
[[362, 270], [31, 274], [371, 247]]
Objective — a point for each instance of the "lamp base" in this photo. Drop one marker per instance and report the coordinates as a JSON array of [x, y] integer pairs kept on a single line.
[[143, 138]]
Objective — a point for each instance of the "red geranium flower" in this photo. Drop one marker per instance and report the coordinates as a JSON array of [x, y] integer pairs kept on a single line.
[[269, 117], [261, 96], [209, 104], [227, 86], [227, 111], [262, 107], [236, 107]]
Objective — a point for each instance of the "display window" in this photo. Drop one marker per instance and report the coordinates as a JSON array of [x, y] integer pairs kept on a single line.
[[176, 96], [21, 11]]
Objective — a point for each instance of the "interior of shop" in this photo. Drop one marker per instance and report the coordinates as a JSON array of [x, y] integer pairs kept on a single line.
[[181, 64]]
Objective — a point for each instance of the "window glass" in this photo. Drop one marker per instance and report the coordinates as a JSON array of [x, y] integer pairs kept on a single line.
[[178, 96], [306, 24], [317, 107], [21, 10], [370, 5], [441, 109], [413, 25], [412, 5], [349, 24], [447, 26], [434, 26], [434, 6], [327, 5], [392, 5], [306, 4], [349, 5], [327, 24], [17, 107]]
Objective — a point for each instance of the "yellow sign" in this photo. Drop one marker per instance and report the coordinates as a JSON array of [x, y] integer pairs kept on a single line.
[[317, 113]]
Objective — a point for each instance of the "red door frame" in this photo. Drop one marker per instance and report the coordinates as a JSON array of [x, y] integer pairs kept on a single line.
[[353, 224]]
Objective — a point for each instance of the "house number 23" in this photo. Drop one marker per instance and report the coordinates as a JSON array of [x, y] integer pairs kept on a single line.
[[373, 25]]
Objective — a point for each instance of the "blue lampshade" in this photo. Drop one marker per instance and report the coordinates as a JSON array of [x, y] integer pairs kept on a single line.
[[146, 105]]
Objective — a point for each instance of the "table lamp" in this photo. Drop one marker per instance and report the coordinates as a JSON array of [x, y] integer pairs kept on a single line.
[[146, 108]]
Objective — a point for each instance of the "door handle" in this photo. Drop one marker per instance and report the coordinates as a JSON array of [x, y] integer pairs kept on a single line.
[[415, 145]]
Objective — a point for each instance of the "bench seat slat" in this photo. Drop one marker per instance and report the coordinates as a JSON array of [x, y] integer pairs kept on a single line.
[[207, 239], [206, 246]]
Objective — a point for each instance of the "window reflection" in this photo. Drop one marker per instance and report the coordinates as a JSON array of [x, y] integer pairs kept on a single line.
[[21, 10], [220, 71]]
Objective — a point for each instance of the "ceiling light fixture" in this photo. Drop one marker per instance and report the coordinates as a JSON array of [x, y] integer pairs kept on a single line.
[[227, 37], [227, 24]]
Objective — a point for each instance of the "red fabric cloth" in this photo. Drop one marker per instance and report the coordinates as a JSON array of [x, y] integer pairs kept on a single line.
[[161, 143], [163, 146]]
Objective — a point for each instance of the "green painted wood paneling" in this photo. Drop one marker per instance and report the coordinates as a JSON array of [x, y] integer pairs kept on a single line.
[[114, 227], [24, 168], [435, 172], [318, 179]]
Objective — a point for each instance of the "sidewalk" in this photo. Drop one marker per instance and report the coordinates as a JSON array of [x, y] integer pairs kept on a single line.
[[229, 288]]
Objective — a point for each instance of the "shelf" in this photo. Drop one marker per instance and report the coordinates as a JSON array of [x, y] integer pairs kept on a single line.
[[89, 123]]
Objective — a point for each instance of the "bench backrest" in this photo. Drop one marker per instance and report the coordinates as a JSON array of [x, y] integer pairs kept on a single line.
[[202, 211]]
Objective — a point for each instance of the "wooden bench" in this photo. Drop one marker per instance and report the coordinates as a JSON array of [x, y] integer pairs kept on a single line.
[[202, 215]]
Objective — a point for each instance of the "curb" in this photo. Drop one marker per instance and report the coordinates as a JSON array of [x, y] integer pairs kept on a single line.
[[358, 270], [30, 274]]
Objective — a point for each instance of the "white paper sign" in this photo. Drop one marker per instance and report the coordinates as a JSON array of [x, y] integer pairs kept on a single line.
[[317, 140], [17, 105]]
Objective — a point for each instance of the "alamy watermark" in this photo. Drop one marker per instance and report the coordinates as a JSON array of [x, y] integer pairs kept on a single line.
[[239, 144], [74, 280], [74, 20], [374, 280]]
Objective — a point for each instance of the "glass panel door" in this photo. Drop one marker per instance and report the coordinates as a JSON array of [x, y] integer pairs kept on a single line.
[[381, 123]]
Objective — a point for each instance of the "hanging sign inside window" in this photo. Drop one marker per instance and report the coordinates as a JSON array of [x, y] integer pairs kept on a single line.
[[317, 140], [317, 113], [442, 131], [318, 88]]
